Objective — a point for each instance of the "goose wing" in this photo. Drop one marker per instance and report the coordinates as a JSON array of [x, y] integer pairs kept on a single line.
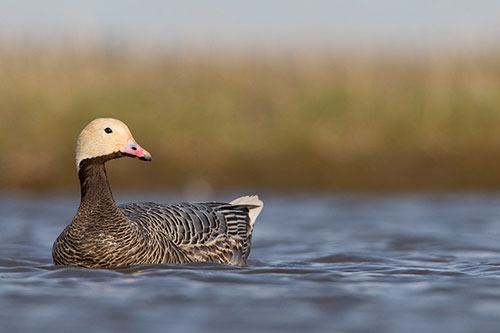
[[192, 223]]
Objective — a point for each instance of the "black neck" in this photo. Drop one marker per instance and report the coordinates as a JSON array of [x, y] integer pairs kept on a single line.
[[94, 186]]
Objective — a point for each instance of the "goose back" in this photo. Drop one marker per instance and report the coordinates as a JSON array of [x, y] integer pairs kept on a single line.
[[212, 231]]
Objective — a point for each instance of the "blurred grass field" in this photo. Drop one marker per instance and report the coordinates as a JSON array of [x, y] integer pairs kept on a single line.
[[285, 121]]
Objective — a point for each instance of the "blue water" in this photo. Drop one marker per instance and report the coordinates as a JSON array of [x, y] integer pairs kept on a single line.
[[319, 263]]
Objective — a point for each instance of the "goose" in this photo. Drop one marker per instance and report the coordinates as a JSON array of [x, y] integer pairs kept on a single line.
[[105, 235]]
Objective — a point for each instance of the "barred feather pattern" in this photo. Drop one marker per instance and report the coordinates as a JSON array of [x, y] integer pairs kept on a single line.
[[215, 232], [104, 235]]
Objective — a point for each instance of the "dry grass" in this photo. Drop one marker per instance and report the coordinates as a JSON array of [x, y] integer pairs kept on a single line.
[[311, 121]]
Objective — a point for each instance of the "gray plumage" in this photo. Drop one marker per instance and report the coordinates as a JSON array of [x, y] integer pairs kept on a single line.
[[104, 235]]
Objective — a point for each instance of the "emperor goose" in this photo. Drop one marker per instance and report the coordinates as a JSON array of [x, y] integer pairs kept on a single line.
[[104, 235]]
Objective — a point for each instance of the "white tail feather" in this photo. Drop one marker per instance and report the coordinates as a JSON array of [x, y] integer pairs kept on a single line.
[[250, 200]]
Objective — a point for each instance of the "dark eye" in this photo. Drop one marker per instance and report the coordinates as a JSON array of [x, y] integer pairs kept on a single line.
[[108, 130]]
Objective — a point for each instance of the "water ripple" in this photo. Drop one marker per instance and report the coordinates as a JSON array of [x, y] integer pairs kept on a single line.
[[318, 263]]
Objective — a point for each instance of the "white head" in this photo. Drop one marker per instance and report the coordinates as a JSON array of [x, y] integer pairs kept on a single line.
[[106, 136]]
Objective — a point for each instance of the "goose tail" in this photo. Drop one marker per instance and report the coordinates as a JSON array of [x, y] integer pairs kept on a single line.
[[250, 200]]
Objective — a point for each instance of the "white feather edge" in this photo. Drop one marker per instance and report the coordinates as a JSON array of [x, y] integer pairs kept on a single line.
[[250, 200]]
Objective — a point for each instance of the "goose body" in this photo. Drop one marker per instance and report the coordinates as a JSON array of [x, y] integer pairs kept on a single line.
[[104, 235]]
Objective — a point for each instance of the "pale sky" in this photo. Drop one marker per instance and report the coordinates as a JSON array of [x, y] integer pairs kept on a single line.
[[418, 24]]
